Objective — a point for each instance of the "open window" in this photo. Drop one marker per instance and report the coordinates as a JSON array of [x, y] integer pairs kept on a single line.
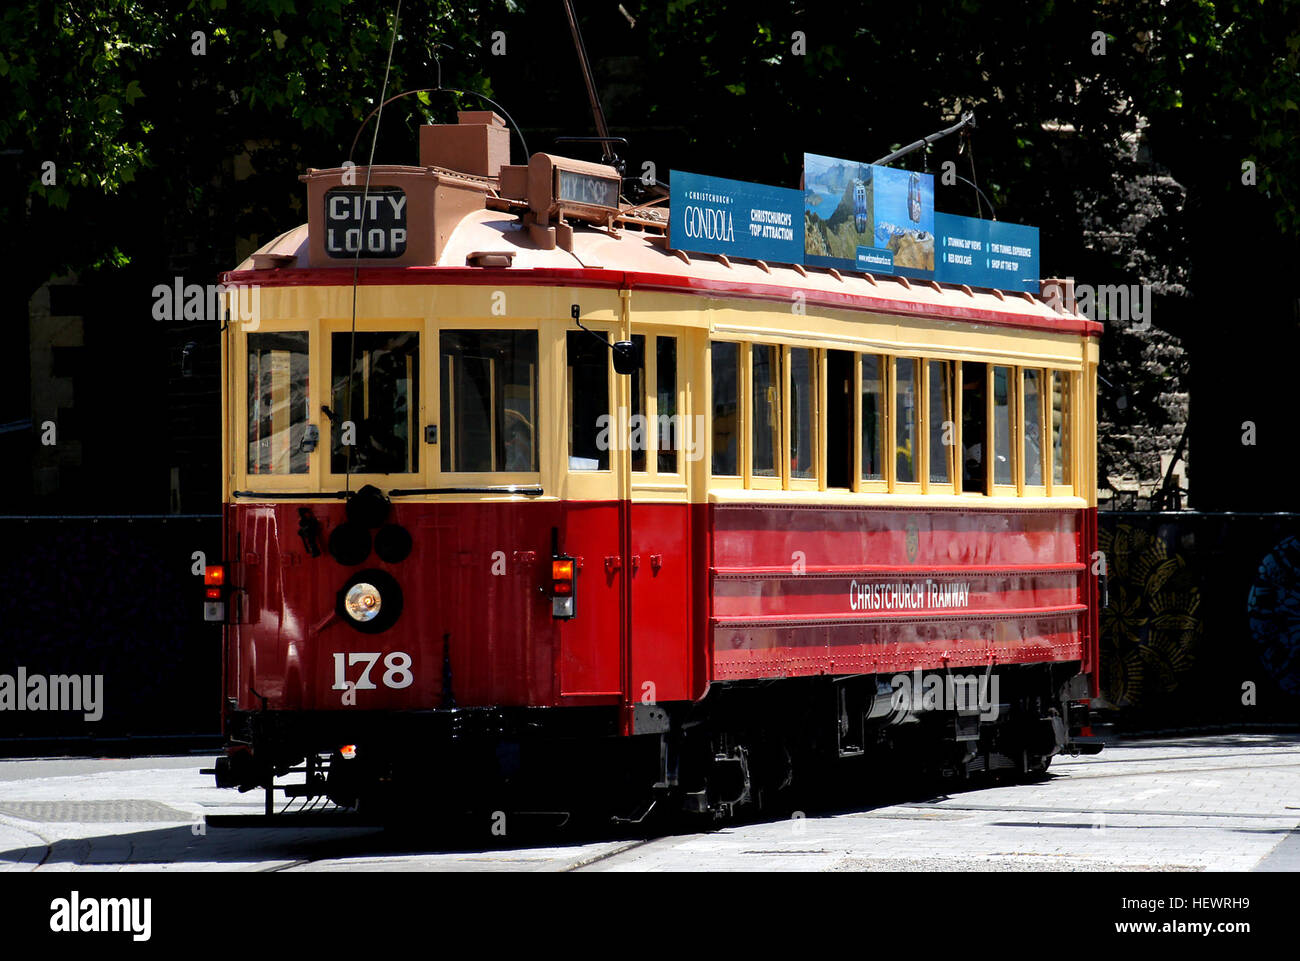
[[840, 413], [974, 427]]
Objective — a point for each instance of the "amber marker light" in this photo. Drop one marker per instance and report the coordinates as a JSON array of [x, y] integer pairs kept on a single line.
[[563, 602], [562, 576]]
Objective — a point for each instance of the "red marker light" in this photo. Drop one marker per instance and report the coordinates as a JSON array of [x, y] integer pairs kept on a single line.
[[214, 575]]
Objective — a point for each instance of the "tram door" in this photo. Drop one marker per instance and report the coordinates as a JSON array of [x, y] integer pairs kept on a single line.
[[627, 515], [659, 538], [592, 528]]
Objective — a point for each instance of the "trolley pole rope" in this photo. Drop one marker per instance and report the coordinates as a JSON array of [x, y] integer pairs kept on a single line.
[[356, 263]]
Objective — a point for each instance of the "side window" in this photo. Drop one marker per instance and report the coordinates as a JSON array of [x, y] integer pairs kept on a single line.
[[590, 424], [668, 420], [726, 408], [905, 414], [639, 432], [375, 397], [766, 381], [488, 400], [974, 427], [1062, 409], [803, 412], [277, 402], [1033, 393], [1003, 472], [940, 423], [873, 416]]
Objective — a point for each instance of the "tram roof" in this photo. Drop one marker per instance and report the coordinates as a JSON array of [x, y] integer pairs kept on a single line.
[[641, 259], [474, 219]]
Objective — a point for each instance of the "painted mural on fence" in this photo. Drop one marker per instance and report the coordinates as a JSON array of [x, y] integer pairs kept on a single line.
[[1151, 628]]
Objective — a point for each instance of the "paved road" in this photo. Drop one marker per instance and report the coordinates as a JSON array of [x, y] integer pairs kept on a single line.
[[1197, 804]]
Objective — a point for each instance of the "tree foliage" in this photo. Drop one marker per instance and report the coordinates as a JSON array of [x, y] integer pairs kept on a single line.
[[171, 123]]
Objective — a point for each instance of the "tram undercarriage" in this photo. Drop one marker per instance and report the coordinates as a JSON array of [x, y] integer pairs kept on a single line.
[[747, 748]]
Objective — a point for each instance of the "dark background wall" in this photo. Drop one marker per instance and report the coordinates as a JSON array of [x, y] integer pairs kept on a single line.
[[116, 597]]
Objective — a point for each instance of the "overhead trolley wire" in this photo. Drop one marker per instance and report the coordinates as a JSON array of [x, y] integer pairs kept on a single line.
[[356, 263]]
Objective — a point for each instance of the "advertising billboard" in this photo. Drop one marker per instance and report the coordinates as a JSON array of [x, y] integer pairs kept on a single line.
[[714, 215]]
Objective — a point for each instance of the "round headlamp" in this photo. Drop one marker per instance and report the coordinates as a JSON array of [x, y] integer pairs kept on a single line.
[[362, 602], [369, 601]]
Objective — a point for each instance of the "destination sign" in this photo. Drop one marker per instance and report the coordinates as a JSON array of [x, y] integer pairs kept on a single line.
[[372, 223], [581, 188]]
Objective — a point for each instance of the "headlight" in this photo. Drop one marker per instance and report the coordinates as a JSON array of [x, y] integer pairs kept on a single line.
[[362, 602], [369, 601]]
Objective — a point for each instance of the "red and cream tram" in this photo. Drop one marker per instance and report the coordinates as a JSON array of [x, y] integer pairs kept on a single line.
[[819, 519]]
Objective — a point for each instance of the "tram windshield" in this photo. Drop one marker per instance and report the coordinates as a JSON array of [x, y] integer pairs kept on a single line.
[[375, 399]]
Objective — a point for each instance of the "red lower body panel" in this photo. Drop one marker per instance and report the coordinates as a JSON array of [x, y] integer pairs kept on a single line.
[[822, 590], [669, 597]]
